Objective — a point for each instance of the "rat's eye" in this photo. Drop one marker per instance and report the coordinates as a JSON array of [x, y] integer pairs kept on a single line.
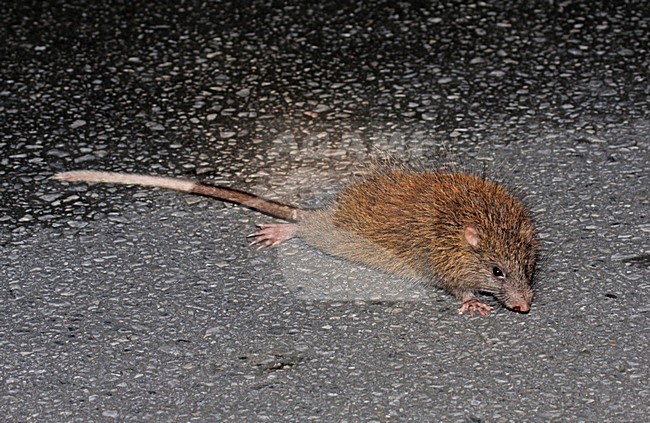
[[498, 272]]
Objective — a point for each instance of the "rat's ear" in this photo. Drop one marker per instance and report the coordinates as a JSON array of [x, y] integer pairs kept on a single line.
[[471, 236]]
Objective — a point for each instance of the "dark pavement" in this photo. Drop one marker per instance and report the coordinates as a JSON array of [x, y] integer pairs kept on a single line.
[[132, 304]]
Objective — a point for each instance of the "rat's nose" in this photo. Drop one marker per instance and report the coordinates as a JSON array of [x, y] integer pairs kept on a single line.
[[522, 308]]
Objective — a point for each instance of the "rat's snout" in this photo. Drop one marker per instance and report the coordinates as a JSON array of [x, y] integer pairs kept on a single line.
[[519, 300]]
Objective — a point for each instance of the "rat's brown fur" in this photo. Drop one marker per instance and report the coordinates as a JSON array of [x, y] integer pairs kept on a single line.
[[453, 230], [419, 220]]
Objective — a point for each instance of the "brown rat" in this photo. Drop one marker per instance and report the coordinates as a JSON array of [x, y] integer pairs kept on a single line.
[[460, 232]]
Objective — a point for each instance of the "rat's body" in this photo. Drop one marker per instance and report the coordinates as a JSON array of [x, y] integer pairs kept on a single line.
[[457, 231]]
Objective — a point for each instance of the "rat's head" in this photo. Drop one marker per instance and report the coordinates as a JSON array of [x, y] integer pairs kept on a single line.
[[504, 258]]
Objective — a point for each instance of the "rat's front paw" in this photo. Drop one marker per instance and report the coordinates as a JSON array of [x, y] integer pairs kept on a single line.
[[474, 305]]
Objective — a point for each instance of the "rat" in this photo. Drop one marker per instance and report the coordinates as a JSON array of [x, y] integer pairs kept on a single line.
[[451, 229]]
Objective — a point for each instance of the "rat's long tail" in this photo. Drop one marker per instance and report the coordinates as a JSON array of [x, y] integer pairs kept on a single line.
[[272, 208]]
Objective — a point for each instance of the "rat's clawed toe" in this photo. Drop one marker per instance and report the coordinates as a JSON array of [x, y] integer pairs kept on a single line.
[[271, 234], [474, 305]]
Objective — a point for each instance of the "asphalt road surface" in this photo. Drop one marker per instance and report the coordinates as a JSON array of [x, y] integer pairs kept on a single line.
[[134, 304]]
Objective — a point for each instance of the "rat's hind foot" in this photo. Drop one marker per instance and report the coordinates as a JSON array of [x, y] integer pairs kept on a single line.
[[271, 234], [472, 304]]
